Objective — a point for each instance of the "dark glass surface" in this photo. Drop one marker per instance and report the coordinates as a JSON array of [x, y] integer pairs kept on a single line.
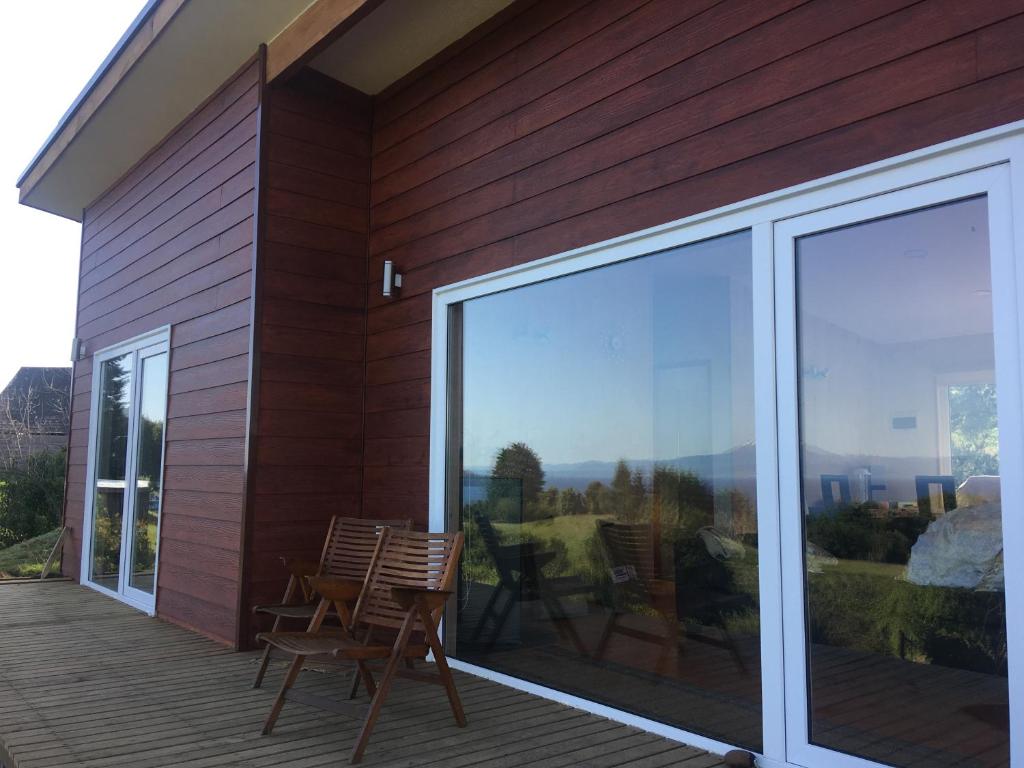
[[902, 513], [111, 461], [602, 468], [149, 470]]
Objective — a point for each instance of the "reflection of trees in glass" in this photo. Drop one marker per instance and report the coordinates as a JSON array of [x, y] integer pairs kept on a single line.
[[973, 430], [114, 400], [519, 461]]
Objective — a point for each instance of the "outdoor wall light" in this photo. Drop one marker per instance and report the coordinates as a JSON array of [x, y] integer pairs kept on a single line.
[[77, 350], [392, 279]]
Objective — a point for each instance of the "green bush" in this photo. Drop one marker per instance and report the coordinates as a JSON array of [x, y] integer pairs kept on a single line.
[[31, 494]]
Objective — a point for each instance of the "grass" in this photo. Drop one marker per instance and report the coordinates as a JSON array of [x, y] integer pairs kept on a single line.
[[573, 530], [26, 558]]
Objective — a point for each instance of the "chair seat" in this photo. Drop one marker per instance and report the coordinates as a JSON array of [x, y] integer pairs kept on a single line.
[[288, 611], [323, 643]]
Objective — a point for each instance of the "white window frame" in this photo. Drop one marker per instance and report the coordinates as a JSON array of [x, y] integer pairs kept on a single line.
[[1003, 146], [144, 345], [993, 183]]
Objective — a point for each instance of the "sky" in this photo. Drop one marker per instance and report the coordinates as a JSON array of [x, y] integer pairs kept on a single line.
[[50, 49], [647, 359]]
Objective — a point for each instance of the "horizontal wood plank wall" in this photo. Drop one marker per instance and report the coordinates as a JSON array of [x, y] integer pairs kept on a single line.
[[308, 448], [171, 243], [573, 122]]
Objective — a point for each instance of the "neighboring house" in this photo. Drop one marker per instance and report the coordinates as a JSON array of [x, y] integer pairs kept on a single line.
[[765, 252], [35, 413]]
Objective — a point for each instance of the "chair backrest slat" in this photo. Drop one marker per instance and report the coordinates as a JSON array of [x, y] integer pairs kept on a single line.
[[406, 559], [630, 545], [350, 546]]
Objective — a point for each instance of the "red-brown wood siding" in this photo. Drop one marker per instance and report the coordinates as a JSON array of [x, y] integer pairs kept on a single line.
[[171, 243], [307, 449], [570, 123]]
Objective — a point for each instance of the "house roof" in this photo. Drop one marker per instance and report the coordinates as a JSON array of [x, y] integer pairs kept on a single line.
[[37, 400], [177, 52]]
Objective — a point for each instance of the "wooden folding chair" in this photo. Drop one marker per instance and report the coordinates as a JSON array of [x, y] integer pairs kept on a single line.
[[631, 552], [410, 578], [521, 579], [348, 549]]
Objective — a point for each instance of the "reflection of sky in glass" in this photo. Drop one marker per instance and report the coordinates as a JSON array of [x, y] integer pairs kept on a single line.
[[646, 359], [890, 312], [154, 388]]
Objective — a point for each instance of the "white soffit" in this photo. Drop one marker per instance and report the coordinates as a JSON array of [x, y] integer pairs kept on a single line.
[[201, 47], [398, 36]]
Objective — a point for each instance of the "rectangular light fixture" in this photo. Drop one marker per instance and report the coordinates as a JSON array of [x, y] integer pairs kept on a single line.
[[392, 279]]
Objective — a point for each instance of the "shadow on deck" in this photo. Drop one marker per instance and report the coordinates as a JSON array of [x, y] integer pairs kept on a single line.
[[86, 681]]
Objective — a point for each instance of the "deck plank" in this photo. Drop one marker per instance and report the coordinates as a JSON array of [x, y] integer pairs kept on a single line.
[[89, 683]]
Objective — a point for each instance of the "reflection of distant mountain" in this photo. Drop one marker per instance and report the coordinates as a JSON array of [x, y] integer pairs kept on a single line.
[[732, 469], [735, 470]]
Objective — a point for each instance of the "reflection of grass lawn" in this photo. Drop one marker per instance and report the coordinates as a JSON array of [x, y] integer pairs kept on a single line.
[[867, 568], [572, 530]]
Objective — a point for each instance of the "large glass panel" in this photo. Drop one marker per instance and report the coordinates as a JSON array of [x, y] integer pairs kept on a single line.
[[602, 467], [900, 479], [149, 470], [111, 466]]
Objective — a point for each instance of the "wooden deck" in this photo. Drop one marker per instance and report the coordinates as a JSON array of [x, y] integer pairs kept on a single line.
[[86, 681]]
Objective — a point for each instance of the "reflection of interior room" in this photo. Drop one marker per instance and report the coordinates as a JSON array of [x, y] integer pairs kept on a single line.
[[901, 489]]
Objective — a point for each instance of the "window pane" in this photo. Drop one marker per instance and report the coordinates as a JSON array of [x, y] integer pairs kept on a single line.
[[900, 463], [111, 461], [152, 408], [602, 468]]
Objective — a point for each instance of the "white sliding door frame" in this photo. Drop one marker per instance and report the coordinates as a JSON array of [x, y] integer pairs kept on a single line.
[[141, 347], [993, 183], [1002, 146]]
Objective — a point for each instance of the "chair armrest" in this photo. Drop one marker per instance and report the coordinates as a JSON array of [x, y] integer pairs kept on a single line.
[[407, 596], [344, 590]]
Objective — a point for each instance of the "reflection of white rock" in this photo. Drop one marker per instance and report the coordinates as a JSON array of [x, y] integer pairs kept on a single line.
[[977, 489], [963, 548], [720, 546], [818, 558]]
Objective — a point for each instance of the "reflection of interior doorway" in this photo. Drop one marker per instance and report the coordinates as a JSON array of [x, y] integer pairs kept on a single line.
[[968, 433], [126, 457], [916, 267], [682, 404]]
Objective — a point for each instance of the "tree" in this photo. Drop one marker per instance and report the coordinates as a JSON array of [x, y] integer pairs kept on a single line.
[[974, 431], [517, 461], [34, 413], [597, 498], [572, 502]]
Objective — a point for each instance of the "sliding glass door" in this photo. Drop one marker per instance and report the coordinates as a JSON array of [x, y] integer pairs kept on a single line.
[[602, 467], [126, 469], [892, 502], [754, 480]]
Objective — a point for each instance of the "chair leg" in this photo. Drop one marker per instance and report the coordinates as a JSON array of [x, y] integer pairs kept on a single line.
[[486, 614], [289, 680], [606, 636], [443, 670], [264, 663], [501, 618], [367, 677], [372, 713], [353, 687]]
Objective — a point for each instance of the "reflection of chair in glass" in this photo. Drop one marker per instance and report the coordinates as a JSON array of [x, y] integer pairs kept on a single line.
[[631, 549], [520, 576], [346, 555], [923, 488], [828, 482]]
